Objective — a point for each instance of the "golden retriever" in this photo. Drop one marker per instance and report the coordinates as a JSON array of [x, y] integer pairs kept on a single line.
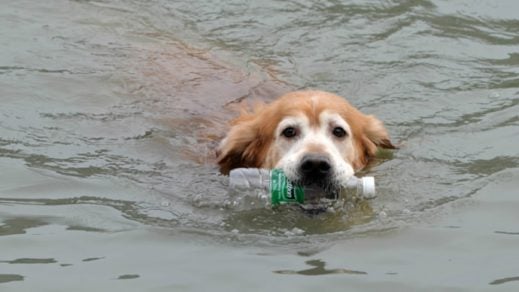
[[315, 137]]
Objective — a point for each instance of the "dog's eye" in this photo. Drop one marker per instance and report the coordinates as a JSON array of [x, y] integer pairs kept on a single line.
[[339, 132], [289, 132]]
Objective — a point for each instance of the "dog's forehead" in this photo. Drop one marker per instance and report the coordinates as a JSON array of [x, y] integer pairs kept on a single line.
[[294, 119], [313, 118], [331, 117], [314, 107]]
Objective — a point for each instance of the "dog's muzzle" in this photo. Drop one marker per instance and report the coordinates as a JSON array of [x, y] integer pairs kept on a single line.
[[315, 169]]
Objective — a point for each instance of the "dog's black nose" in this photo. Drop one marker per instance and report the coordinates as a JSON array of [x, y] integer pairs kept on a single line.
[[315, 167]]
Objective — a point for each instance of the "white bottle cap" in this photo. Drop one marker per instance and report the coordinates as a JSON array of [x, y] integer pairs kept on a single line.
[[368, 187]]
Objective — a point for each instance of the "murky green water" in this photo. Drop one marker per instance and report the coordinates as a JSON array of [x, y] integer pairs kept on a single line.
[[110, 111]]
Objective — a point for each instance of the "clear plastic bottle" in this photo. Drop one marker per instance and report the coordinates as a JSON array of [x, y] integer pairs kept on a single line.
[[257, 188]]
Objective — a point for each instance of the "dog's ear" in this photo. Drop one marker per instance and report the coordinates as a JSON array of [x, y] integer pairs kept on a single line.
[[373, 136], [377, 133], [244, 145]]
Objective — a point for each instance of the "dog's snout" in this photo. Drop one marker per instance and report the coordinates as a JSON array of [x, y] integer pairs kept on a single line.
[[315, 167]]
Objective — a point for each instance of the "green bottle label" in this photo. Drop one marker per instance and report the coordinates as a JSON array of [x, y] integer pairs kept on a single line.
[[284, 191]]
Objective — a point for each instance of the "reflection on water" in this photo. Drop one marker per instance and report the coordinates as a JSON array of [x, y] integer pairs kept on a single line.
[[19, 225], [504, 280], [92, 259], [128, 277], [30, 261], [507, 232], [4, 278], [319, 270]]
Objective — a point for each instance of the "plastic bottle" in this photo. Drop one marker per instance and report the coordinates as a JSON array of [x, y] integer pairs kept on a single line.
[[254, 188]]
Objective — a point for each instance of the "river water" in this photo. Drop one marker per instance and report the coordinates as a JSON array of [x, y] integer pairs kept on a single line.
[[110, 111]]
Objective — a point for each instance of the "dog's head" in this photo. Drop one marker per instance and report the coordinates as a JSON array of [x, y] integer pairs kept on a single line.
[[315, 137]]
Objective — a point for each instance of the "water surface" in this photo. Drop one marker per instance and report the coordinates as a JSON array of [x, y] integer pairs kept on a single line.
[[111, 111]]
